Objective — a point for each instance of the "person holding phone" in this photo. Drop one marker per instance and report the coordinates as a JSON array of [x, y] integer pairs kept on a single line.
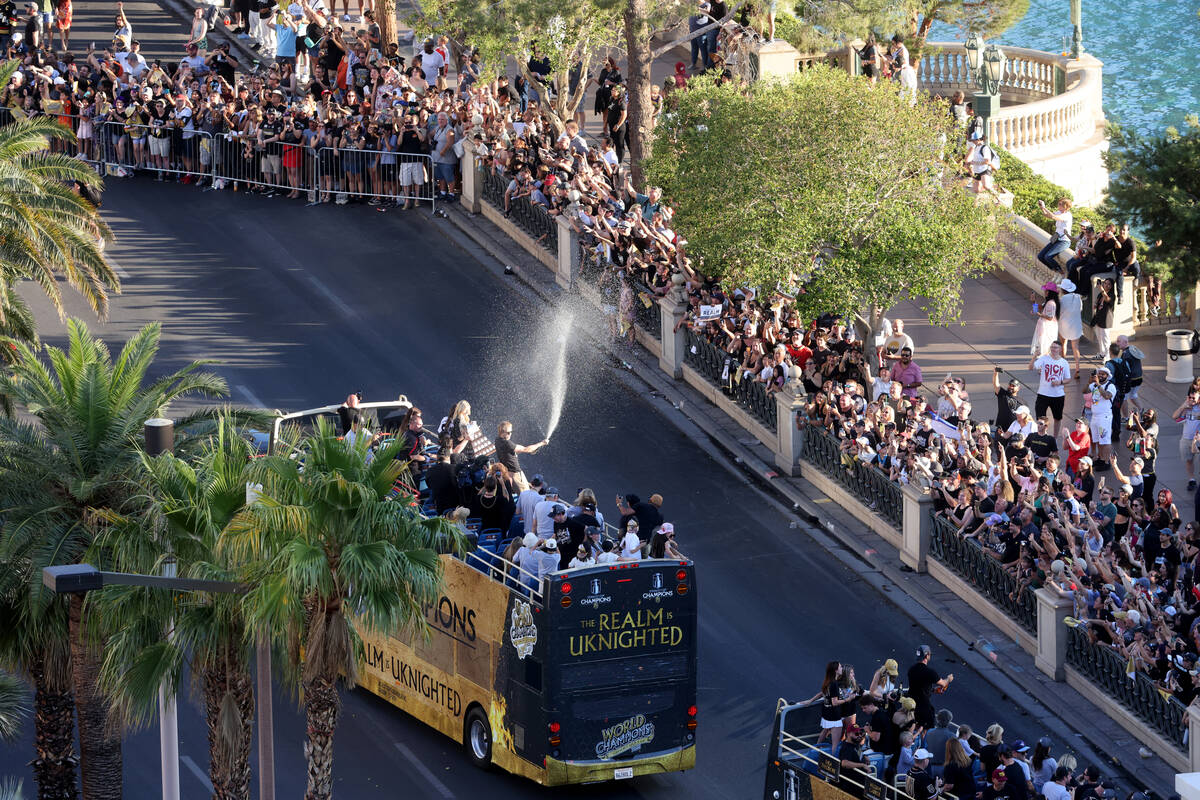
[[1189, 414]]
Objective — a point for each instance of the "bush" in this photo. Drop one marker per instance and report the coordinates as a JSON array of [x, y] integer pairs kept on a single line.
[[1028, 187]]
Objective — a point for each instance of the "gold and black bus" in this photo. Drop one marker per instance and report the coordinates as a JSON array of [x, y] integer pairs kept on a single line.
[[589, 677]]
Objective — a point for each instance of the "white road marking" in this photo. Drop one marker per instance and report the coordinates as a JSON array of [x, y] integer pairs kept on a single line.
[[122, 274], [250, 396], [195, 770], [333, 298], [441, 788]]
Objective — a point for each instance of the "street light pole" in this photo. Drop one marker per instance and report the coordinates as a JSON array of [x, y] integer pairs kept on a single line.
[[986, 65], [1076, 28], [160, 438], [266, 702]]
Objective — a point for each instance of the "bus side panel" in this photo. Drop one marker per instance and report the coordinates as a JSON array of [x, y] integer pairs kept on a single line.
[[436, 676], [520, 677]]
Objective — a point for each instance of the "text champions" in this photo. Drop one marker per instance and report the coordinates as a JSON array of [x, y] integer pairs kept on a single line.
[[414, 679], [626, 630]]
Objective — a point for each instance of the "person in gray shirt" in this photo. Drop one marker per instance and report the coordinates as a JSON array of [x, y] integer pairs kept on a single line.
[[935, 740]]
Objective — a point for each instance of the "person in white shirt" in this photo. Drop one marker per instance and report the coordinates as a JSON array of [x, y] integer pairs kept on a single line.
[[1061, 239], [527, 503], [631, 548], [1024, 424], [543, 523], [1102, 392], [607, 556], [582, 559], [1053, 374], [1056, 787]]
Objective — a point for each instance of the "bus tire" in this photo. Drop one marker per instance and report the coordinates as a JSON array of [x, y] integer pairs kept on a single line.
[[477, 738]]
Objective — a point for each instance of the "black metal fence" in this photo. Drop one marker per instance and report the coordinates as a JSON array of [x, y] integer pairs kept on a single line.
[[531, 218], [721, 369], [647, 317], [967, 559], [1108, 669], [866, 482]]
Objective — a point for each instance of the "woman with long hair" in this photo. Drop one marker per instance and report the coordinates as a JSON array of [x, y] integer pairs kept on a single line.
[[455, 432], [989, 754], [957, 778], [883, 683], [1045, 332], [1042, 766]]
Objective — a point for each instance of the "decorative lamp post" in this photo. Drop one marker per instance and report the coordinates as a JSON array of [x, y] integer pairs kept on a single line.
[[1076, 28], [987, 70]]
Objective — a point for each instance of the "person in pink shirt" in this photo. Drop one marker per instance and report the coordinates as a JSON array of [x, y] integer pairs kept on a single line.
[[906, 373]]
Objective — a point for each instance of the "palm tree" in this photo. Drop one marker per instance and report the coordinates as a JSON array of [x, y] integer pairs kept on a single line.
[[47, 230], [13, 711], [327, 551], [78, 456], [33, 641], [188, 508]]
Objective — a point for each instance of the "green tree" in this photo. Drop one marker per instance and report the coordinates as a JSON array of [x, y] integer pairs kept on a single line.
[[912, 18], [327, 551], [13, 706], [48, 232], [1156, 187], [188, 506], [75, 455], [34, 643], [824, 185], [569, 35]]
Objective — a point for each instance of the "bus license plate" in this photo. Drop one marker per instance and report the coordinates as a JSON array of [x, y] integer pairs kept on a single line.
[[621, 774]]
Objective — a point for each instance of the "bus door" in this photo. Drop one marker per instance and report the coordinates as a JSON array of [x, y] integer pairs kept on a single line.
[[520, 677]]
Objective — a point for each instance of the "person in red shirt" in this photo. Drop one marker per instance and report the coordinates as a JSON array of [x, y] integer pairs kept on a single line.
[[1078, 442], [799, 351]]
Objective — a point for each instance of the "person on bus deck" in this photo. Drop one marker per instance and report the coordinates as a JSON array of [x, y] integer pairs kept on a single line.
[[922, 681], [583, 558], [646, 513], [508, 451], [607, 556], [348, 412], [529, 546], [631, 548], [585, 502], [562, 534], [543, 522], [527, 502], [662, 543], [922, 785], [492, 506], [850, 750], [592, 541], [577, 526], [545, 558], [412, 441], [443, 485]]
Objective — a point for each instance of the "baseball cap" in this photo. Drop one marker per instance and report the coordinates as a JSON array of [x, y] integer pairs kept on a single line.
[[907, 703], [550, 544], [998, 774], [1019, 746], [530, 540], [552, 492], [666, 527], [33, 6], [555, 510], [592, 530], [891, 667], [852, 729], [922, 754], [537, 480]]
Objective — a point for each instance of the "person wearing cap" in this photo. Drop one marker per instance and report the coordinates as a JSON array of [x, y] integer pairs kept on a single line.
[[1070, 319], [850, 750], [983, 162], [33, 31], [1053, 374], [921, 785], [1103, 394], [546, 558], [883, 682], [1007, 401], [543, 522], [923, 680], [998, 788], [583, 558]]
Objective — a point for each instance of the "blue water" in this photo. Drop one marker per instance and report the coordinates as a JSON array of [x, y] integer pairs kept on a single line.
[[1149, 47]]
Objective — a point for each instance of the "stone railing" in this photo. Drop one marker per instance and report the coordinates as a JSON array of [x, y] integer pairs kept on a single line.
[[901, 515], [1029, 74]]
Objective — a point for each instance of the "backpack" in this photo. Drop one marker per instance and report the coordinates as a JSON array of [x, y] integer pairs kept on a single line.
[[1121, 375], [1134, 364]]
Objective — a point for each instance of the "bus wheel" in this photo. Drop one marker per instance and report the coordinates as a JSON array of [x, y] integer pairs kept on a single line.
[[477, 738]]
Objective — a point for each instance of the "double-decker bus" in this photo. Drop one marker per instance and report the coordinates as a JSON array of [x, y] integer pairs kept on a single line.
[[589, 677]]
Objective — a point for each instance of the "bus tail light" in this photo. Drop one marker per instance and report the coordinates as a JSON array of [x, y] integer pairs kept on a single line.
[[566, 587], [681, 588], [691, 723], [565, 602], [555, 739], [681, 575]]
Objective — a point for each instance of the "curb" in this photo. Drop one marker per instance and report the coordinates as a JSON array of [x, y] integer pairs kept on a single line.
[[877, 569]]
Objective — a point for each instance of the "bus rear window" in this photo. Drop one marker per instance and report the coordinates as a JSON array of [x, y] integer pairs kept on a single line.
[[621, 671]]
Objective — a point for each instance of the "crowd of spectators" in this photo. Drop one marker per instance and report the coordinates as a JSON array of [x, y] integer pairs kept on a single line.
[[892, 732], [478, 482]]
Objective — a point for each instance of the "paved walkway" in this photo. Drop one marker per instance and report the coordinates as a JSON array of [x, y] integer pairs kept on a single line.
[[997, 329]]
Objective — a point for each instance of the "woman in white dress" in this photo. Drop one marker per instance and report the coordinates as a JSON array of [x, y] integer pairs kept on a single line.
[[1046, 331], [1070, 320]]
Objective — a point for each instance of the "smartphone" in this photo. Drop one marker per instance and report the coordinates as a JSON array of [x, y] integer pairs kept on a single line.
[[1035, 308]]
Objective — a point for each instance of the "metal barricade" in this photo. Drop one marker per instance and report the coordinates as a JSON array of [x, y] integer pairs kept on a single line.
[[163, 150], [376, 175], [240, 163]]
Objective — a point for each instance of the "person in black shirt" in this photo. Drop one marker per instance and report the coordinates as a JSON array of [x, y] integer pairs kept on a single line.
[[412, 441], [507, 453], [998, 790], [1014, 774], [443, 485], [1041, 443], [922, 680], [614, 121], [1007, 401], [878, 723], [850, 750], [923, 785]]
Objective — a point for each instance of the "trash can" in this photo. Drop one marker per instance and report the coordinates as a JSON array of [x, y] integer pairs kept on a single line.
[[1181, 346]]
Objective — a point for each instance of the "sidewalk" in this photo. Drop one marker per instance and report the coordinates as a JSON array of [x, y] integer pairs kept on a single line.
[[1074, 722]]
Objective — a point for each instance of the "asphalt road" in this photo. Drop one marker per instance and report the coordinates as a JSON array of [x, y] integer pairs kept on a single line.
[[304, 305]]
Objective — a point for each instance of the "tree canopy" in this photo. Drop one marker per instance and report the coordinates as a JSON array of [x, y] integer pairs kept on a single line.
[[824, 184], [913, 18], [1156, 187]]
